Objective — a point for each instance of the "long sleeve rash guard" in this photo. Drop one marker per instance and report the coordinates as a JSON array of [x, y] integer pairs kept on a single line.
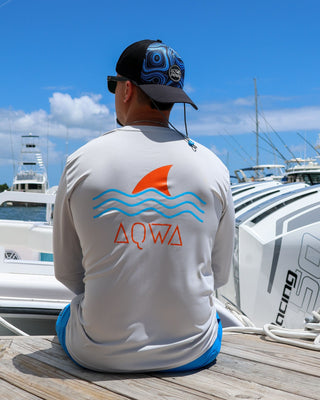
[[143, 234]]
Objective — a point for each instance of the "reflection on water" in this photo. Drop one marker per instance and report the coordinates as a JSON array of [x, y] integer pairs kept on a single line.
[[23, 213]]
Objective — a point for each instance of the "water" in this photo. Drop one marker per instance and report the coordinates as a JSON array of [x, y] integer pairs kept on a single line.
[[23, 213]]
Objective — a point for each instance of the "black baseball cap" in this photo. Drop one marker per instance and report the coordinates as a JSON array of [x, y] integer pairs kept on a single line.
[[156, 69]]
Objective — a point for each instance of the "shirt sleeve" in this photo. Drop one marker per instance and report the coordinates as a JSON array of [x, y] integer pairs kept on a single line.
[[224, 244], [67, 250]]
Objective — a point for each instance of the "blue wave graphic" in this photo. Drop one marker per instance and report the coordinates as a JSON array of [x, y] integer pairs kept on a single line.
[[150, 199], [146, 200], [147, 209], [150, 190]]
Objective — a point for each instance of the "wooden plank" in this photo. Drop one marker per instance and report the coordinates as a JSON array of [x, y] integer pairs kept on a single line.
[[147, 388], [212, 381], [286, 382], [267, 375], [248, 367], [11, 392], [133, 386], [254, 348], [48, 383], [4, 347]]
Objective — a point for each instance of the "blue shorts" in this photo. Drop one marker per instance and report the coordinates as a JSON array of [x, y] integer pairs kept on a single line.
[[207, 358], [61, 326]]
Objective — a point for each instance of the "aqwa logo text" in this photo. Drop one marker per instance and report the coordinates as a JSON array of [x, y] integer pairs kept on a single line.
[[164, 234]]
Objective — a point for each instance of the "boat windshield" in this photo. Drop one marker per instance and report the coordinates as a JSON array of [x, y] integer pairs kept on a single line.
[[307, 177]]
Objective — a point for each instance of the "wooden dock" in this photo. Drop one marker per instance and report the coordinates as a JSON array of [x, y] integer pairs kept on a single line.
[[248, 367]]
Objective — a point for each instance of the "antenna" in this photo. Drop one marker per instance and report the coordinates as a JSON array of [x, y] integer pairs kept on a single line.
[[257, 121], [11, 145], [269, 142], [67, 143], [239, 146], [311, 145], [47, 158], [282, 141], [235, 149]]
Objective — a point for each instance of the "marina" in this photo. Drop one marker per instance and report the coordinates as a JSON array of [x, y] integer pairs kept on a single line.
[[275, 220], [64, 90], [248, 367]]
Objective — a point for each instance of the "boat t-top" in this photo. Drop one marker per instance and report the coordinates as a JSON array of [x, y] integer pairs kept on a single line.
[[31, 175]]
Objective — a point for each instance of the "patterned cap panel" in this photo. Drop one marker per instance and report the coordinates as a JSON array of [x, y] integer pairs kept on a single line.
[[162, 66]]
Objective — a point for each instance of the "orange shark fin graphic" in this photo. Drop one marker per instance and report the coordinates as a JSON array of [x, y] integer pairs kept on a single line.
[[157, 179]]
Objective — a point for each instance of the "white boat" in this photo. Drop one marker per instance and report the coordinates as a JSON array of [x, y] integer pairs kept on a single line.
[[31, 175], [275, 276], [260, 173], [303, 170], [276, 266], [243, 190], [30, 296], [260, 194]]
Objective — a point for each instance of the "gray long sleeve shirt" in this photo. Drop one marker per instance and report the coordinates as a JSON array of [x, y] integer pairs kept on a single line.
[[143, 234]]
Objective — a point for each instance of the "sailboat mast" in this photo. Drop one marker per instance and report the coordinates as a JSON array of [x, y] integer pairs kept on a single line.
[[257, 121]]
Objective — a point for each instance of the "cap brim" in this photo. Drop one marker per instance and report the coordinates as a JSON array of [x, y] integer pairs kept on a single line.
[[166, 94]]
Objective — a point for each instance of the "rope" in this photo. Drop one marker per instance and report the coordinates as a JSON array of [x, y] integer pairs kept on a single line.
[[307, 338], [12, 328]]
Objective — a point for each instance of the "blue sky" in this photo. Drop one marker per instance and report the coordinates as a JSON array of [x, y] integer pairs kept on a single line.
[[55, 56]]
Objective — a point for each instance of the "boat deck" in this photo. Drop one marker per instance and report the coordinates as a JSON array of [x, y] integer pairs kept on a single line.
[[248, 367]]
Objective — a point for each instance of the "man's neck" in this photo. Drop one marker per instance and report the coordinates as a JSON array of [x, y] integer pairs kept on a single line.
[[143, 116], [149, 122]]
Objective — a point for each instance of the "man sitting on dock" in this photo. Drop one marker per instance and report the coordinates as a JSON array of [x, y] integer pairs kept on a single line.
[[143, 230]]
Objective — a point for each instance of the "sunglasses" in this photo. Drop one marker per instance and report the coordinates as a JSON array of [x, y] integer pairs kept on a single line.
[[112, 82]]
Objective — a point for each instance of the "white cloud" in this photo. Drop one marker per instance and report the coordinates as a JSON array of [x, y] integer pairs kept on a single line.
[[85, 117], [70, 118], [295, 119], [29, 122], [84, 112], [82, 117], [244, 101], [216, 119]]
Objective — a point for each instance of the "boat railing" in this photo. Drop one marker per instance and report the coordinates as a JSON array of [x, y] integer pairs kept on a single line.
[[22, 176]]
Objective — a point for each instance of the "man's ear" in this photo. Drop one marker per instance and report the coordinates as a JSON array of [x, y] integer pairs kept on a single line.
[[129, 88]]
